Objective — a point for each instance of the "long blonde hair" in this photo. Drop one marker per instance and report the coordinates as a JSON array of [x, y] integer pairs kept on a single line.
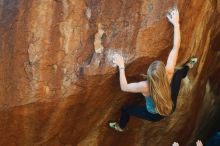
[[159, 86]]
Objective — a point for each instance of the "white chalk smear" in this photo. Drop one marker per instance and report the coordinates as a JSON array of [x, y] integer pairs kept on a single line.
[[109, 53], [88, 13]]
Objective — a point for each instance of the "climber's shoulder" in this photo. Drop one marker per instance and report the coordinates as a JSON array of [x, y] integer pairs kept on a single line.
[[169, 74], [145, 88], [136, 87]]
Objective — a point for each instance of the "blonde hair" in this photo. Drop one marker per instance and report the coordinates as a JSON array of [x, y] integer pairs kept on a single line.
[[159, 86]]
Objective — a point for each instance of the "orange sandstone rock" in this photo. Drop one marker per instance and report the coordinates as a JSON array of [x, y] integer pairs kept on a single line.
[[55, 89]]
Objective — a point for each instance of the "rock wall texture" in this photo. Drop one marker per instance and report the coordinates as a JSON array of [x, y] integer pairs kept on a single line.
[[58, 86]]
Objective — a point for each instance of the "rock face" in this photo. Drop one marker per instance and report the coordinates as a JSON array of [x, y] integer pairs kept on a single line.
[[58, 86]]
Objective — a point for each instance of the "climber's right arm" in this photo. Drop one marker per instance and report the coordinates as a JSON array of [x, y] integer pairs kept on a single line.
[[139, 87]]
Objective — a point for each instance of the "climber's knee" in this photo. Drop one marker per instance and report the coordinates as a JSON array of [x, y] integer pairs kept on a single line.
[[126, 109]]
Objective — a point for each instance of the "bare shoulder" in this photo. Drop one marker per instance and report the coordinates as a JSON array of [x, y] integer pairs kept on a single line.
[[143, 83], [145, 86], [169, 75]]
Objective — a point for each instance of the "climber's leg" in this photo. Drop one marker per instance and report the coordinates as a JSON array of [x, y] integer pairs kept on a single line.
[[175, 83], [137, 111], [177, 78]]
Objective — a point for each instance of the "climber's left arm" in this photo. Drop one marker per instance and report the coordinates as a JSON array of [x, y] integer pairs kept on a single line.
[[173, 17]]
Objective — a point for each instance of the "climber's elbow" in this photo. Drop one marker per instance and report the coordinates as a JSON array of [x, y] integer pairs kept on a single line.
[[124, 89]]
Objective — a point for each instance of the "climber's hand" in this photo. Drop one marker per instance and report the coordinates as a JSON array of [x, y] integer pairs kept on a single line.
[[118, 60], [175, 144], [199, 143], [173, 16]]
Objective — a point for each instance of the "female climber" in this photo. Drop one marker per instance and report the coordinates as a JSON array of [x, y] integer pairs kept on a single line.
[[161, 87]]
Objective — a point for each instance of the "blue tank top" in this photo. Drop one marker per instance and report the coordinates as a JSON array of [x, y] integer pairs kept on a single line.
[[150, 106]]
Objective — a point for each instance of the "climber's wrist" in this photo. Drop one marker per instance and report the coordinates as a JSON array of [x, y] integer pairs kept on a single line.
[[176, 24], [121, 67]]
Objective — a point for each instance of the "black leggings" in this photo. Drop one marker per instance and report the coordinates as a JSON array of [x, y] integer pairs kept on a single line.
[[141, 111]]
